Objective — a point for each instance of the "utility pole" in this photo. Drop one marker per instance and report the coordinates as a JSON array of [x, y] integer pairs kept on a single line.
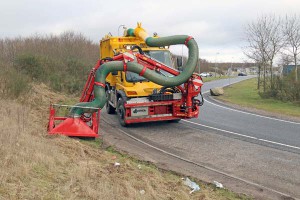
[[230, 70], [216, 64], [122, 25]]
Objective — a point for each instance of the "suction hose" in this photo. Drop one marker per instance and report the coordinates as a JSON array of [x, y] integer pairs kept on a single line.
[[105, 69]]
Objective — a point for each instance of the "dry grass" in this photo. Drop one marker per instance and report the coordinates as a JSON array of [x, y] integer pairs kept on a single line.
[[36, 166]]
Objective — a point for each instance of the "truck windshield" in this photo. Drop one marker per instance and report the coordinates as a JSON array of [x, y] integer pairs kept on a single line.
[[161, 56]]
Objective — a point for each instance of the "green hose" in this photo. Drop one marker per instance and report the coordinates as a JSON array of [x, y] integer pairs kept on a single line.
[[151, 75]]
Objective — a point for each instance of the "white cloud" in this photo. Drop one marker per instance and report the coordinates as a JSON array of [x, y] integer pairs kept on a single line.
[[216, 25]]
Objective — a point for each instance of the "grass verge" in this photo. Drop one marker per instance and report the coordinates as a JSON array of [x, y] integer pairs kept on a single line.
[[36, 166], [246, 94]]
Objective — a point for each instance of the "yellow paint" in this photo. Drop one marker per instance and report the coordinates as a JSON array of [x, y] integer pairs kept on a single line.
[[142, 89], [140, 32]]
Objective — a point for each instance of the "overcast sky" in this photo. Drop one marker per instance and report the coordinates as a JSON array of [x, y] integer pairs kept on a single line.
[[217, 25]]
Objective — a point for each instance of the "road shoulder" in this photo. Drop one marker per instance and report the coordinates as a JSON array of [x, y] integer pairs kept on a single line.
[[112, 135]]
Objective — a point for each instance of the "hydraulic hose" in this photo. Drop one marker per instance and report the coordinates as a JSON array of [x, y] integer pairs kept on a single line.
[[105, 69]]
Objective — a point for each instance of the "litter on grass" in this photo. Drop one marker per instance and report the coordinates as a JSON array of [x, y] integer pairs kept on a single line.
[[194, 186], [218, 185], [142, 192]]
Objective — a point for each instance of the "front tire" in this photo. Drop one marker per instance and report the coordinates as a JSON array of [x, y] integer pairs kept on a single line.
[[109, 108], [121, 112]]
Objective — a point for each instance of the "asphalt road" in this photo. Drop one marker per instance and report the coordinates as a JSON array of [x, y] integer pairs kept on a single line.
[[261, 153], [254, 128]]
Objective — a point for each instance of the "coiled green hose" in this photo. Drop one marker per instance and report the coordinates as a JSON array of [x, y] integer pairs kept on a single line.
[[105, 69]]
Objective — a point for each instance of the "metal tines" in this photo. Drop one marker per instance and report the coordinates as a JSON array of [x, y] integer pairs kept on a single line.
[[72, 106]]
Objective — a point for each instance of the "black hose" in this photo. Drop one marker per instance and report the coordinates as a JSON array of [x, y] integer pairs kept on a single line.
[[139, 48], [202, 100]]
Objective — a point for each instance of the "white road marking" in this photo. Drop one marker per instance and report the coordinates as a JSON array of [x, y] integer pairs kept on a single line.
[[247, 113], [256, 115], [206, 167], [246, 136]]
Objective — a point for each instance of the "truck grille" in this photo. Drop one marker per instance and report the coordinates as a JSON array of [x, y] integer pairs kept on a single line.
[[160, 97]]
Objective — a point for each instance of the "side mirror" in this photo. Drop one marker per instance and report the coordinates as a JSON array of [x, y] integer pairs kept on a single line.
[[179, 61]]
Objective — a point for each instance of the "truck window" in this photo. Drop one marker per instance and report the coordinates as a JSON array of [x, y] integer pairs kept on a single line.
[[161, 56], [134, 77]]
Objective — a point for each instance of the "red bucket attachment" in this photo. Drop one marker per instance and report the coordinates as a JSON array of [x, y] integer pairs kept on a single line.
[[75, 127]]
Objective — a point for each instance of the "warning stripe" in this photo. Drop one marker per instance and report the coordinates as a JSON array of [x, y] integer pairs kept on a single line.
[[198, 82]]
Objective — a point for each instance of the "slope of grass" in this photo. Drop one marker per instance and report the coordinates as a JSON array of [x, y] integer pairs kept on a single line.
[[246, 94], [37, 166]]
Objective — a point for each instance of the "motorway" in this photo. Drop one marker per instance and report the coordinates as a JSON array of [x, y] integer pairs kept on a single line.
[[274, 132], [248, 153]]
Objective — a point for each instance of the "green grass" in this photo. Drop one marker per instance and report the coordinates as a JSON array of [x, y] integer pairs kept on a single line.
[[246, 94], [207, 79]]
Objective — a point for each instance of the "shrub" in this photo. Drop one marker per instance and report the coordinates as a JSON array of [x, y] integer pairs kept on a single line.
[[55, 82], [30, 65], [62, 62], [284, 88], [13, 83]]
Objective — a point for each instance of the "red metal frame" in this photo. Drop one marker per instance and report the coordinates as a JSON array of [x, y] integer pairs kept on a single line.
[[152, 64]]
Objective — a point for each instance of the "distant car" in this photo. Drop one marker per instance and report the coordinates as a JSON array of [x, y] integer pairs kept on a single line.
[[205, 74], [242, 74]]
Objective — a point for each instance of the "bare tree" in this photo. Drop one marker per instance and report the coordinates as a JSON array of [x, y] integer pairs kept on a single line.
[[257, 57], [291, 31], [257, 39], [276, 39], [264, 40]]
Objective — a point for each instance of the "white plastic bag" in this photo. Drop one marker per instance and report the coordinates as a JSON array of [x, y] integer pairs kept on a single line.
[[218, 185], [194, 186]]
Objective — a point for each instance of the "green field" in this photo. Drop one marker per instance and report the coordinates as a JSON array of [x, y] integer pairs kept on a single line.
[[246, 94]]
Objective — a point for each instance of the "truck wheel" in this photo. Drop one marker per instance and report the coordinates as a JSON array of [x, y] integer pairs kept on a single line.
[[109, 108], [121, 112]]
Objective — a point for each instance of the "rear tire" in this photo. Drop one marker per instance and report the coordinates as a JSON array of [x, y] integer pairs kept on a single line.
[[109, 108], [121, 112]]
